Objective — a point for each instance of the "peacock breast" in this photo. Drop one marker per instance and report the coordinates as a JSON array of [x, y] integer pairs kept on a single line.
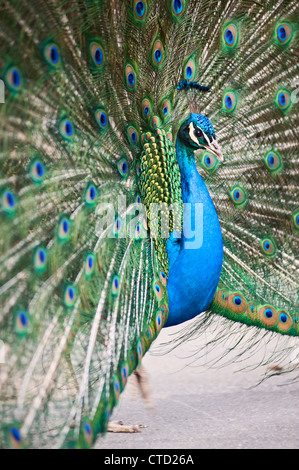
[[196, 256]]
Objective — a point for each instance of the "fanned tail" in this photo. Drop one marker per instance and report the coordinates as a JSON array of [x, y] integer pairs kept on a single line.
[[255, 190], [82, 299]]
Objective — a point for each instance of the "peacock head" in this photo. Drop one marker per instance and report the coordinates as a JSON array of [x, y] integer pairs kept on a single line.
[[197, 132]]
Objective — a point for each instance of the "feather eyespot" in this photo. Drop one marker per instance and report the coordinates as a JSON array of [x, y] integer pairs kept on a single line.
[[139, 233], [130, 77], [268, 315], [13, 79], [209, 162], [118, 230], [37, 171], [165, 109], [146, 108], [101, 118], [229, 101], [116, 386], [237, 303], [69, 295], [115, 285], [139, 350], [238, 196], [123, 167], [88, 433], [252, 310], [155, 122], [169, 136], [149, 334], [295, 218], [40, 258], [91, 194], [268, 246], [273, 161], [117, 227], [285, 321], [163, 277], [283, 100], [124, 373], [133, 135], [157, 53], [140, 10], [230, 36], [21, 322], [158, 290], [8, 202], [221, 297], [67, 129], [64, 228], [52, 55], [138, 170], [131, 80], [15, 437], [178, 7], [159, 321], [237, 300], [97, 54], [283, 33], [189, 70], [89, 264], [283, 317]]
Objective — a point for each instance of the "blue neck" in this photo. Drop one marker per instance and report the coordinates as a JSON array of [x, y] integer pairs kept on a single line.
[[195, 259]]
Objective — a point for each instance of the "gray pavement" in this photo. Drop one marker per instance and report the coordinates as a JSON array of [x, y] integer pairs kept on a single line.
[[197, 407]]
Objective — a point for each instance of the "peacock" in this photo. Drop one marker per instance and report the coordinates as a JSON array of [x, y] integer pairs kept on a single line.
[[149, 174]]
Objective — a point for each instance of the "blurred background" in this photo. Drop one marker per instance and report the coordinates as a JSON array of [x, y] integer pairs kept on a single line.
[[202, 401]]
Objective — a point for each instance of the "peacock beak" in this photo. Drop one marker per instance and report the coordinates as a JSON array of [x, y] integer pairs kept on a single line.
[[215, 149]]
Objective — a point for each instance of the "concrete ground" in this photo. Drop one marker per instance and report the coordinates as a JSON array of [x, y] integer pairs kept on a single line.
[[196, 407]]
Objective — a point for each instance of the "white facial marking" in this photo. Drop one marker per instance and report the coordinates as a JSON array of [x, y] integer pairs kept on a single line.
[[191, 133], [206, 137], [194, 138]]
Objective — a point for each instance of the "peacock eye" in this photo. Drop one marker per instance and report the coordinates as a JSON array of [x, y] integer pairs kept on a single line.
[[198, 133]]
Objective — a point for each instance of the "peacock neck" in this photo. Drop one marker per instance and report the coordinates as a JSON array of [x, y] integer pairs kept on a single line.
[[191, 181], [195, 259]]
